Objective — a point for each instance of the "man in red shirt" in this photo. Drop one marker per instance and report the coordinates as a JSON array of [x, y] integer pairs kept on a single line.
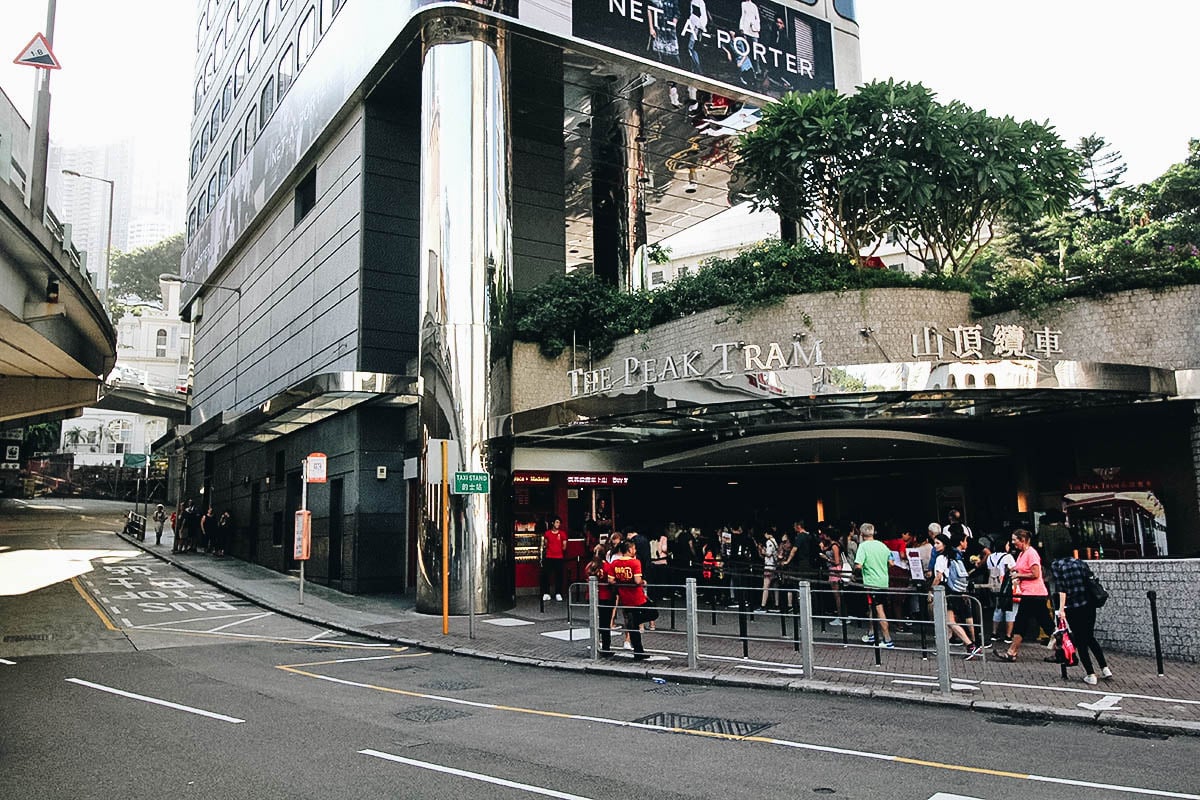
[[554, 550], [626, 574]]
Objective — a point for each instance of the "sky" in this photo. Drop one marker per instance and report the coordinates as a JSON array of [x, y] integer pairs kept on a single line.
[[1124, 71]]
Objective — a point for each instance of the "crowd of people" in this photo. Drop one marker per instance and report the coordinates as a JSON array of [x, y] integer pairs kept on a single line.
[[887, 582], [195, 529]]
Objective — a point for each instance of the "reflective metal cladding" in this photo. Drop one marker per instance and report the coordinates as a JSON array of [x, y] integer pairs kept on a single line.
[[465, 280]]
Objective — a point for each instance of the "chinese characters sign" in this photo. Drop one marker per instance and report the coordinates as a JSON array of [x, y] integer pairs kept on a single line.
[[966, 342]]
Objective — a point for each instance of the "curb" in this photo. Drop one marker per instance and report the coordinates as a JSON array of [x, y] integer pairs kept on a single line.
[[1099, 719]]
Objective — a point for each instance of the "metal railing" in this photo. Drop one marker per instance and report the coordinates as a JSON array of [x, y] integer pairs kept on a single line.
[[709, 622]]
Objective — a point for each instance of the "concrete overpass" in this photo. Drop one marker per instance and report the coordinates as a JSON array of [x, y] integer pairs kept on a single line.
[[56, 340]]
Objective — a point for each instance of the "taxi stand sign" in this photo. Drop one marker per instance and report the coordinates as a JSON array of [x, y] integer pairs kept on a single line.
[[471, 483]]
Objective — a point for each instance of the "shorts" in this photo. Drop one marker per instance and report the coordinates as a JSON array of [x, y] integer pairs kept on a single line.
[[1032, 613], [1005, 615], [960, 606]]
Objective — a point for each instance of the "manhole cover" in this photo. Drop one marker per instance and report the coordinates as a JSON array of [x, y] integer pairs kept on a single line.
[[449, 685], [309, 649], [27, 637], [675, 691], [688, 722], [431, 714], [1133, 734], [1024, 722]]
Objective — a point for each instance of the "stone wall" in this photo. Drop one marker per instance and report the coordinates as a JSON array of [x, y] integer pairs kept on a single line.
[[1153, 327], [1124, 623]]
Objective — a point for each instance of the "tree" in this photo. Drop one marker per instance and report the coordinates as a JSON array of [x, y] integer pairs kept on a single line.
[[135, 274], [892, 159], [1101, 168], [42, 437]]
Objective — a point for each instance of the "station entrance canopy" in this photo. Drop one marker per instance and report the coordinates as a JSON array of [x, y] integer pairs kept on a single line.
[[826, 414]]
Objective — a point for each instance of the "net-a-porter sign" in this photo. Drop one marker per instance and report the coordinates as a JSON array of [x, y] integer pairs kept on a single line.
[[761, 45]]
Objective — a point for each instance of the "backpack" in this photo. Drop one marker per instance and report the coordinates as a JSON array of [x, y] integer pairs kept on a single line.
[[956, 575]]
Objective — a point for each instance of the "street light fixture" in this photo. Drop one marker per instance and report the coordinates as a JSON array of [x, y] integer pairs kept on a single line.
[[108, 246]]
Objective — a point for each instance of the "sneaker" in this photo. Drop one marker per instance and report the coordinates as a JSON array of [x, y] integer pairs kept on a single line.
[[888, 643], [957, 643], [557, 597], [545, 597], [1090, 680], [640, 656], [974, 653], [627, 646], [868, 638], [836, 622], [1008, 640], [994, 639], [1106, 673]]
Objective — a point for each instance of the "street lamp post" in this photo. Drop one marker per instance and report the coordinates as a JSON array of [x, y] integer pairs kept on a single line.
[[108, 245]]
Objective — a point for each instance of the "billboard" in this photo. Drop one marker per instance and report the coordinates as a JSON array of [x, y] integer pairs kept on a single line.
[[760, 45]]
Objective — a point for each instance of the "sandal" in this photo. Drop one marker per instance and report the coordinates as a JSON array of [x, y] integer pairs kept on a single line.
[[1005, 656]]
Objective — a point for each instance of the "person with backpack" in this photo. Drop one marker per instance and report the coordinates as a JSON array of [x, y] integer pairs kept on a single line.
[[1029, 593], [949, 571], [1078, 611], [999, 565]]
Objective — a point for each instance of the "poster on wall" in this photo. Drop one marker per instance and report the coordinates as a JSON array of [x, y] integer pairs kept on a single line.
[[1123, 517], [763, 46]]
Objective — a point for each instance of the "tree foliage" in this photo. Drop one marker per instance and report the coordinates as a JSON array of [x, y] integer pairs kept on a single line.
[[135, 274], [892, 159], [1101, 169]]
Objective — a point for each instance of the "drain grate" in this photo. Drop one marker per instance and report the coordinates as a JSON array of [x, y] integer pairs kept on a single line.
[[1136, 734], [675, 691], [1024, 722], [431, 714], [689, 722], [27, 637], [449, 685]]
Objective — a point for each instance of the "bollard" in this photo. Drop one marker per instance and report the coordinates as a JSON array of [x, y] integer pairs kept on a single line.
[[742, 630], [693, 620], [594, 616], [941, 639], [805, 621], [876, 633], [1158, 657]]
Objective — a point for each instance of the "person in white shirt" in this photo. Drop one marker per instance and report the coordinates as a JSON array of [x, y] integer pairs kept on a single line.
[[998, 565]]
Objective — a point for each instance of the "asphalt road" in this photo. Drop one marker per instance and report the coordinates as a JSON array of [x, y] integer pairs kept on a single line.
[[197, 694]]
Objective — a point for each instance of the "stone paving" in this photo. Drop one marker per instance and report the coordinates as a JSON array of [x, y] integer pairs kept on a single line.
[[537, 634]]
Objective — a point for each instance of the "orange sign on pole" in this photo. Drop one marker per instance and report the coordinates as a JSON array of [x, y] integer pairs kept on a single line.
[[316, 466], [303, 538]]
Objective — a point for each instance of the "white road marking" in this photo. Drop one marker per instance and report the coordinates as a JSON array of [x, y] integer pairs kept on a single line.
[[125, 621], [1106, 703], [475, 776], [239, 622], [946, 796], [569, 635], [9, 663], [1092, 692], [320, 635], [201, 712], [506, 622], [864, 754], [780, 670], [195, 619], [257, 637], [961, 687]]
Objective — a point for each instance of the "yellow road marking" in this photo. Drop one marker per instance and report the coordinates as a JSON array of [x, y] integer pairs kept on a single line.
[[294, 668], [95, 607]]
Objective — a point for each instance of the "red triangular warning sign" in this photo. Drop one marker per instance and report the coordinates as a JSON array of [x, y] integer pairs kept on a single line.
[[37, 54]]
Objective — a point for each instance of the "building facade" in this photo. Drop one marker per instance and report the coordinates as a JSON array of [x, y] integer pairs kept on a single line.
[[372, 182]]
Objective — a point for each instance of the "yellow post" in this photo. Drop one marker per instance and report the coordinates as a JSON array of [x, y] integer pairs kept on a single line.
[[445, 537]]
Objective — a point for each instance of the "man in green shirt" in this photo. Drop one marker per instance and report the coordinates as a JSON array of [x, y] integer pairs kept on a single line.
[[871, 562]]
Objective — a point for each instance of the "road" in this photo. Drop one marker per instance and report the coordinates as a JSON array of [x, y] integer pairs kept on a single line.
[[123, 677]]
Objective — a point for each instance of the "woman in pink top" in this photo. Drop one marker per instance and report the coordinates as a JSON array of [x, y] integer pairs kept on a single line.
[[1029, 595]]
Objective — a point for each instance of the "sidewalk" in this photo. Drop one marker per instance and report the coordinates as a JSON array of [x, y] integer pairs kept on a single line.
[[1136, 699]]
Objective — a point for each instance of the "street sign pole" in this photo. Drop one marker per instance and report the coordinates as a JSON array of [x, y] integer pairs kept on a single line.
[[445, 537], [303, 510]]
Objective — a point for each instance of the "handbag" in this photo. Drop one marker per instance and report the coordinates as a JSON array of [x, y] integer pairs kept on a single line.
[[1097, 595]]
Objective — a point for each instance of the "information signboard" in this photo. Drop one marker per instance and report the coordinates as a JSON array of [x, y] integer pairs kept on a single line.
[[470, 483]]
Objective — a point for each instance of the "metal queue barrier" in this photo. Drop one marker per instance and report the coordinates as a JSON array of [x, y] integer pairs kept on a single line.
[[695, 624]]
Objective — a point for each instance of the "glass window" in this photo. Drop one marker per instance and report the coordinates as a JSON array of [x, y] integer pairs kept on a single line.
[[269, 15], [251, 127], [227, 98], [286, 73], [266, 103], [254, 45], [212, 192], [235, 152], [241, 68], [845, 8], [200, 29], [118, 435], [223, 184], [199, 101], [191, 228], [307, 38], [201, 208], [214, 124], [230, 22], [210, 71], [160, 343], [195, 160], [328, 9], [219, 45], [203, 141]]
